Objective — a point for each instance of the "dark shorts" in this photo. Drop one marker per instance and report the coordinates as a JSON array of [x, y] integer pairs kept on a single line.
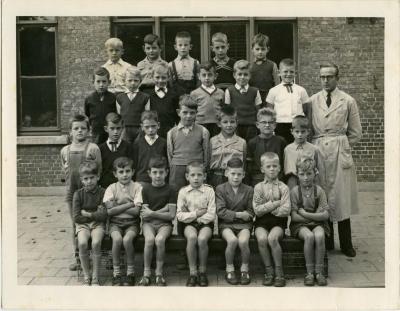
[[295, 228], [272, 222], [195, 224], [123, 225]]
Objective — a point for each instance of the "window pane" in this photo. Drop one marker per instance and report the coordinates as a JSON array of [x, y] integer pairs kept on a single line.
[[170, 31], [132, 36], [37, 18], [39, 102], [37, 51], [281, 39], [236, 37]]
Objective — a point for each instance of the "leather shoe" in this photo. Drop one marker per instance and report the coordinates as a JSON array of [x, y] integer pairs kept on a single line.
[[350, 252], [230, 277]]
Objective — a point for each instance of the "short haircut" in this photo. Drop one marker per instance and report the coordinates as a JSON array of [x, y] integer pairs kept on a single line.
[[79, 118], [160, 68], [266, 112], [300, 122], [88, 167], [122, 162], [133, 71], [113, 118], [268, 156], [102, 72], [158, 162], [329, 65], [286, 62], [235, 162], [305, 163], [114, 42], [260, 39], [226, 110], [208, 66], [219, 37], [241, 65], [195, 164], [149, 115], [188, 101], [152, 38], [183, 35]]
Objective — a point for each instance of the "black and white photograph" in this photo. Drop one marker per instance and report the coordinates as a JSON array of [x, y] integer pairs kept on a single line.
[[250, 150]]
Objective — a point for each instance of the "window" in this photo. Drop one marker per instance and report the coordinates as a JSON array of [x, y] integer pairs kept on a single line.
[[37, 74], [282, 33]]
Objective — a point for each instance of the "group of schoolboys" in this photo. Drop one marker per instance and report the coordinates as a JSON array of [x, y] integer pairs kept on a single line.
[[154, 122]]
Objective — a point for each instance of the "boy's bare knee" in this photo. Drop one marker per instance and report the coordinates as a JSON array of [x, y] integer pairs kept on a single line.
[[319, 238], [273, 240], [232, 242], [243, 242], [83, 245], [262, 241], [160, 240], [309, 238]]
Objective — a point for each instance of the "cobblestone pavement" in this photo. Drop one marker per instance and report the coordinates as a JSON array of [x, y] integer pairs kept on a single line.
[[44, 249]]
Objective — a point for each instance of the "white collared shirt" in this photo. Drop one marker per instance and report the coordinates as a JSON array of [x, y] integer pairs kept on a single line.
[[117, 75], [150, 140], [287, 105], [161, 94], [208, 89]]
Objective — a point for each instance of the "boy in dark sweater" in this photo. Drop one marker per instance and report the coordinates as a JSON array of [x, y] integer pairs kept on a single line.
[[113, 148], [223, 64], [158, 211], [264, 72], [89, 217], [164, 99], [98, 104], [266, 141], [132, 103], [186, 142], [245, 99], [234, 202], [148, 146]]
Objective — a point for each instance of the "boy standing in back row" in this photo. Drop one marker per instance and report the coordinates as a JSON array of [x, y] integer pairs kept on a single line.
[[264, 72], [184, 69]]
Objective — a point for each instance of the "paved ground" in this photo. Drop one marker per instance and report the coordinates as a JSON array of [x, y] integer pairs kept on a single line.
[[44, 250]]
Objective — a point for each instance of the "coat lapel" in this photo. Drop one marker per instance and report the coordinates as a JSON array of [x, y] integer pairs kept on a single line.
[[235, 198]]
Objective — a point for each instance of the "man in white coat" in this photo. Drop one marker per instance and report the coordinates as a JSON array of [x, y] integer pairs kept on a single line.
[[336, 128]]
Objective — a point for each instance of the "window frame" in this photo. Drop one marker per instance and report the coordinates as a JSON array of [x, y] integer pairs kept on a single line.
[[37, 131], [205, 23]]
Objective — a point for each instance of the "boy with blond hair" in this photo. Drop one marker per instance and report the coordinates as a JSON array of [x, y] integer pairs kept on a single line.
[[245, 99], [115, 65], [271, 203], [184, 69], [131, 104]]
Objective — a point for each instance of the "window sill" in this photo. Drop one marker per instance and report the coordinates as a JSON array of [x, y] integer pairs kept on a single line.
[[42, 140]]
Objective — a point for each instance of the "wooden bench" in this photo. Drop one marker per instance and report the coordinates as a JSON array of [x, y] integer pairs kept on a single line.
[[292, 258]]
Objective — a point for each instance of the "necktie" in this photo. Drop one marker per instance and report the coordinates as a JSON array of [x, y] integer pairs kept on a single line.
[[328, 99], [113, 145], [242, 90], [289, 87]]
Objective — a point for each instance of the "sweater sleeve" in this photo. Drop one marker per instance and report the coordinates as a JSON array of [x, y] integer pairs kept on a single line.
[[284, 209], [206, 147], [77, 207], [223, 212]]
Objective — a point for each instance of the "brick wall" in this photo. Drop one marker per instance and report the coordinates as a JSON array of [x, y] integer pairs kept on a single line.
[[80, 51], [358, 50], [39, 166]]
